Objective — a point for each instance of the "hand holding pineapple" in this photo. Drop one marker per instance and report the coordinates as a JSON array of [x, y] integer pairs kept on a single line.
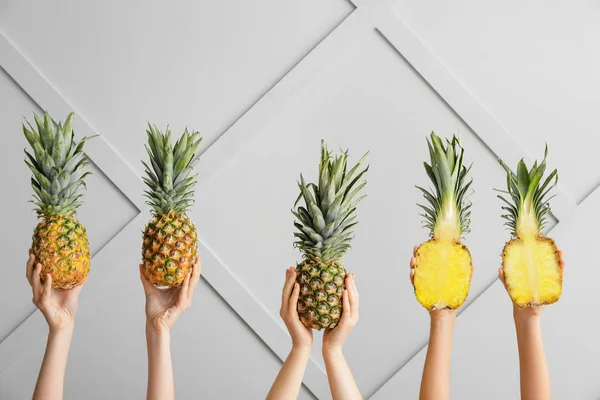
[[58, 306], [164, 306], [333, 339]]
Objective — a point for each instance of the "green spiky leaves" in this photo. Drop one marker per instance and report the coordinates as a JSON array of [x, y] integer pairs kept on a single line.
[[528, 204], [170, 179], [325, 220], [58, 165], [447, 215]]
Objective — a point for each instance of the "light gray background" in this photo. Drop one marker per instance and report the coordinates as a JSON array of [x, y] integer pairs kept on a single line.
[[263, 81]]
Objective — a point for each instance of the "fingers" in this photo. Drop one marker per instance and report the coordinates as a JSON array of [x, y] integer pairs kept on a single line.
[[501, 277], [196, 270], [352, 294], [413, 263], [35, 279], [148, 287], [30, 264], [293, 303], [346, 307], [47, 291], [290, 277], [182, 297], [415, 249]]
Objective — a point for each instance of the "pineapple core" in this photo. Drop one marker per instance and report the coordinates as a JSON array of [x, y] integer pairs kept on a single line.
[[442, 274], [532, 271]]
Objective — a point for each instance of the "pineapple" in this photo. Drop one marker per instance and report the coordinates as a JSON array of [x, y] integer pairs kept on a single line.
[[530, 261], [60, 241], [443, 264], [170, 239], [324, 235]]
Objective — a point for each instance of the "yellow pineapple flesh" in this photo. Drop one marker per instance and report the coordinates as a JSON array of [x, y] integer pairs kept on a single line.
[[443, 274], [532, 271]]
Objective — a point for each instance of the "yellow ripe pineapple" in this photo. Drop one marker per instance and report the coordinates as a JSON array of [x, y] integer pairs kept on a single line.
[[58, 165], [324, 234], [443, 264], [530, 261], [170, 239]]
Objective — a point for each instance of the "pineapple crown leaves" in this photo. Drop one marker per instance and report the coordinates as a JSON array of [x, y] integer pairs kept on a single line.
[[170, 177], [325, 220], [449, 178], [527, 192], [58, 165]]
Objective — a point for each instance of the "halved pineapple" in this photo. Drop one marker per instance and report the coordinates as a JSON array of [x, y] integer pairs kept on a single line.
[[530, 261], [443, 264]]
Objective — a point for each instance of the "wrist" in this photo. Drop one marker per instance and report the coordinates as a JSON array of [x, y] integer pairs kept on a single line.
[[329, 350], [302, 347], [445, 317], [156, 328], [61, 330], [527, 315]]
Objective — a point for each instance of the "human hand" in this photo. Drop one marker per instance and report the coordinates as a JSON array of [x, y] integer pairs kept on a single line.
[[436, 314], [164, 306], [301, 335], [529, 311], [58, 306], [333, 339]]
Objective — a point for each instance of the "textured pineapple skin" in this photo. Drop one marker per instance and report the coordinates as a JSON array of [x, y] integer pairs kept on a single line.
[[442, 274], [169, 249], [321, 288], [532, 271], [60, 244]]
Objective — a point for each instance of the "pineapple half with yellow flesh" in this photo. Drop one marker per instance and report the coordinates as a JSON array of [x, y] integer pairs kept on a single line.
[[324, 234], [443, 264], [170, 239], [58, 164], [530, 261]]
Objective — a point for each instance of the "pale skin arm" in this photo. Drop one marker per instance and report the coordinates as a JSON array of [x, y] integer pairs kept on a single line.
[[59, 308], [341, 382], [534, 376], [435, 382], [163, 308], [289, 380]]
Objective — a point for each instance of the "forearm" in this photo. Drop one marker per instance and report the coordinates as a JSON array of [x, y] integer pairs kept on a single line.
[[535, 379], [160, 370], [288, 381], [50, 381], [435, 383], [341, 382]]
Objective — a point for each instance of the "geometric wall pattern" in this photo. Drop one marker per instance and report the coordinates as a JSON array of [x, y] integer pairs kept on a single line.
[[359, 76]]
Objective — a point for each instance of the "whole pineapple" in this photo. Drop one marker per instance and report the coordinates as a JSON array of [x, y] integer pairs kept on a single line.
[[530, 261], [170, 239], [443, 264], [324, 235], [58, 165]]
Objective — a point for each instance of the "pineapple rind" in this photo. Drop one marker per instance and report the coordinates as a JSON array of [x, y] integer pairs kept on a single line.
[[60, 244], [442, 274], [321, 288], [532, 271], [169, 249]]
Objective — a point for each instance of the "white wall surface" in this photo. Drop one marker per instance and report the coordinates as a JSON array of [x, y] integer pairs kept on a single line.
[[264, 81]]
